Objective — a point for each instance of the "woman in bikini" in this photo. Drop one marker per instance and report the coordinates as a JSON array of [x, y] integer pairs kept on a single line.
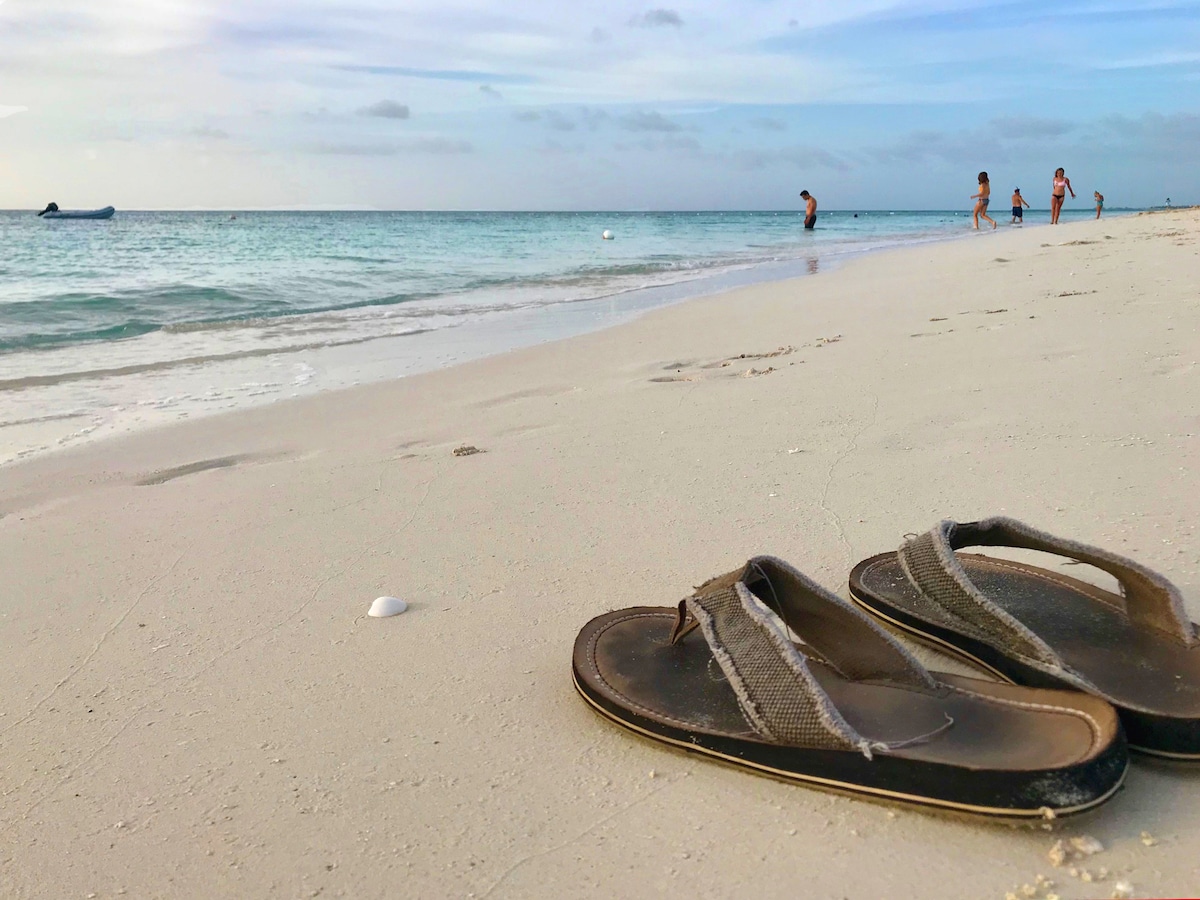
[[982, 198], [1062, 184], [1099, 202]]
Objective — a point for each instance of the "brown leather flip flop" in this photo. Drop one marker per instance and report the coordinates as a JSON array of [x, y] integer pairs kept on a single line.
[[1137, 650], [839, 703]]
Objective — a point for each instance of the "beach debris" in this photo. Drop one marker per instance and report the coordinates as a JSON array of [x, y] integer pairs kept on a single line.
[[467, 450], [607, 235], [1041, 887], [1122, 890], [770, 354], [1148, 839], [795, 450], [1074, 849], [992, 312], [751, 373], [822, 341], [778, 351], [387, 606]]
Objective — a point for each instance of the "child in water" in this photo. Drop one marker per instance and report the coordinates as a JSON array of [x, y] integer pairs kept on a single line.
[[983, 197], [1018, 204]]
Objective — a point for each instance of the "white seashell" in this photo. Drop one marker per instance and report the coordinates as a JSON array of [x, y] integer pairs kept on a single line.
[[387, 606], [1086, 845], [607, 235]]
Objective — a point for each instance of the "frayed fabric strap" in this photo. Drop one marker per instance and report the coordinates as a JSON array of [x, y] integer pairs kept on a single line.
[[745, 617], [932, 568], [1150, 599], [929, 562], [778, 695]]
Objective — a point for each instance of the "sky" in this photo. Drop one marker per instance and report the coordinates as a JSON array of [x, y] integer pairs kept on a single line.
[[545, 104]]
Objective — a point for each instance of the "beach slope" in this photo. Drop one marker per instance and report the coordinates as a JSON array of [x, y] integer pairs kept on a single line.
[[196, 705]]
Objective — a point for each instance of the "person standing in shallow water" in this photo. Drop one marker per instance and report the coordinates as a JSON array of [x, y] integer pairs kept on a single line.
[[810, 210], [1018, 207], [982, 199], [1099, 202], [1058, 194]]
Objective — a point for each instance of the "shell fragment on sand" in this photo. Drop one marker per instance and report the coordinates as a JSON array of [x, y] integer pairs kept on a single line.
[[387, 606], [1076, 848]]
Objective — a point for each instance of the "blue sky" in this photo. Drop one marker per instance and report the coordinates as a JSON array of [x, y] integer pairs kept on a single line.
[[537, 104]]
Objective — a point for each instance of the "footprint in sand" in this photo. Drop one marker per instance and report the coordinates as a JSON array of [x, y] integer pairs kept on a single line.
[[729, 367], [162, 476]]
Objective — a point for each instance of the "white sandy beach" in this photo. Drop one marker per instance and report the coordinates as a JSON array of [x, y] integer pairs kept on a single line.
[[194, 703]]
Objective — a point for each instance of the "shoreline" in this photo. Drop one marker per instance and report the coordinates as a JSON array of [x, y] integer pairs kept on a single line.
[[127, 393], [199, 706]]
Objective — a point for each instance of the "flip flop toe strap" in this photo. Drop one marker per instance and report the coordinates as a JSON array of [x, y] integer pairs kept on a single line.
[[931, 566], [775, 688]]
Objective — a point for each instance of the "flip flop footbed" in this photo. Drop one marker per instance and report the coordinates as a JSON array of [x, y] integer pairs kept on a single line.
[[1007, 751]]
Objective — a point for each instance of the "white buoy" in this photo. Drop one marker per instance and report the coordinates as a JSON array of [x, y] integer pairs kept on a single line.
[[608, 235], [387, 606]]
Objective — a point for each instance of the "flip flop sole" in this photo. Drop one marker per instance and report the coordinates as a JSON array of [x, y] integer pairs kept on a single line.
[[734, 755]]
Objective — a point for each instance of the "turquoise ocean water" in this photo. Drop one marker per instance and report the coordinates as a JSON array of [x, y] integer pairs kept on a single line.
[[152, 316]]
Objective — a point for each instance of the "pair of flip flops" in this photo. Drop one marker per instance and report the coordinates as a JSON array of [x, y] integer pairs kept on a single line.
[[766, 669]]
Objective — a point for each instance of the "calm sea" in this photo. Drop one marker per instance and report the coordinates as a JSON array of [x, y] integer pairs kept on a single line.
[[106, 326]]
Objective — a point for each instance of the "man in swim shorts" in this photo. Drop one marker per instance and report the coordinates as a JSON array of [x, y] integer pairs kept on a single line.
[[810, 210], [1018, 204]]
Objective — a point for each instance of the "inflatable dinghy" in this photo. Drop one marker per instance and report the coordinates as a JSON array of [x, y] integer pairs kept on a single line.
[[53, 212]]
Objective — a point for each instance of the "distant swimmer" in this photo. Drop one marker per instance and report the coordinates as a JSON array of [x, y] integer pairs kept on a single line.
[[810, 210], [1018, 207], [982, 199]]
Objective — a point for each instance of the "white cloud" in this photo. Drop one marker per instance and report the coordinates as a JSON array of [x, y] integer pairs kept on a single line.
[[148, 72]]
